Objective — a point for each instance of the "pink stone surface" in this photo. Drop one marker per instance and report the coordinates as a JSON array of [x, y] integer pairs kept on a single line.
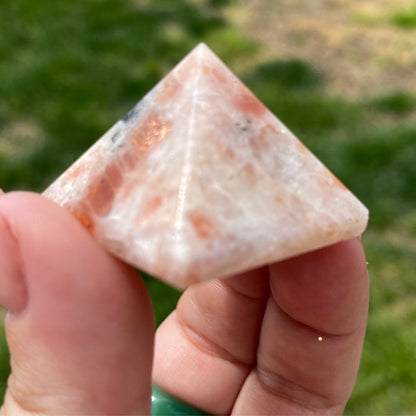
[[200, 180]]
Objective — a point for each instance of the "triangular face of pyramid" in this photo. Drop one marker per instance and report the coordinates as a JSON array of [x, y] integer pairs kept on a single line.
[[201, 181]]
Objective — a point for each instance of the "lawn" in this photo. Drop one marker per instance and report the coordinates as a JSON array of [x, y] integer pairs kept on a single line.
[[69, 70]]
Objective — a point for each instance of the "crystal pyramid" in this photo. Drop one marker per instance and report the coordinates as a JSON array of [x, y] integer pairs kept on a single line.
[[200, 180]]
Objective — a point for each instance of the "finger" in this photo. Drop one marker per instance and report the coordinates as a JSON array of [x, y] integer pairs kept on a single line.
[[206, 348], [13, 295], [312, 334], [81, 335]]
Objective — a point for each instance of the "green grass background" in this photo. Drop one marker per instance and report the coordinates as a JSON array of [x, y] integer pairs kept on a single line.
[[70, 69]]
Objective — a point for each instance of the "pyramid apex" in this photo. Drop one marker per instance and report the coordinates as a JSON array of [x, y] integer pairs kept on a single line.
[[202, 48], [200, 55]]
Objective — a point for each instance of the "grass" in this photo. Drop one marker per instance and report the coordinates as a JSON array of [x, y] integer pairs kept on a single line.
[[4, 363], [387, 369], [405, 19], [396, 102], [69, 70], [163, 296]]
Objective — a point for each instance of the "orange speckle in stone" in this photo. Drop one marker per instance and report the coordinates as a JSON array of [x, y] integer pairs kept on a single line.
[[229, 154], [77, 170], [224, 150], [80, 213], [171, 87], [114, 175], [273, 129], [331, 231], [215, 74], [73, 173], [128, 160], [249, 104], [100, 196], [151, 206], [148, 133], [250, 173], [278, 198], [203, 226], [258, 145], [101, 192]]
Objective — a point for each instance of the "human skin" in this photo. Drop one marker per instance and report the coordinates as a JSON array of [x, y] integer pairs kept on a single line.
[[283, 339]]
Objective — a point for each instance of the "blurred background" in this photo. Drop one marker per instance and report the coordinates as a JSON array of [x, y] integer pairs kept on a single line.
[[339, 73]]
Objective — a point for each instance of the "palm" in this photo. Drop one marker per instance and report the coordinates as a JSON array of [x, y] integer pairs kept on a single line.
[[279, 340]]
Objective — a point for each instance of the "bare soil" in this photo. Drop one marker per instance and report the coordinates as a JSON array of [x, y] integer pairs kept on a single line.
[[353, 43]]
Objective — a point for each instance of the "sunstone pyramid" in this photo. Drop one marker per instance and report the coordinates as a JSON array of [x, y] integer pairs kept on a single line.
[[200, 180]]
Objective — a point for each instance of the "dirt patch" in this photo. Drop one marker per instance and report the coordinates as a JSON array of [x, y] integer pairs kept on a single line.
[[354, 43], [20, 138]]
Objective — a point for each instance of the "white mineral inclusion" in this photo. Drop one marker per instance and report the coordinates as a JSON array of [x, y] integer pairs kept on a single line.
[[200, 180]]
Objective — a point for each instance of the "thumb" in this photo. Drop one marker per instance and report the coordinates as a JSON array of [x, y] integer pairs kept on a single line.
[[80, 323]]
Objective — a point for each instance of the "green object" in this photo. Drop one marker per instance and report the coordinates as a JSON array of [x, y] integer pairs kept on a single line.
[[165, 405]]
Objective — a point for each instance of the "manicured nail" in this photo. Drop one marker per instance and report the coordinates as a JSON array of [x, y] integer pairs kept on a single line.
[[13, 293]]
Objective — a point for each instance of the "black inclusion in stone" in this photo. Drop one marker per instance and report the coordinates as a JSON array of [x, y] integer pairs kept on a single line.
[[119, 134], [115, 137], [132, 114], [245, 125]]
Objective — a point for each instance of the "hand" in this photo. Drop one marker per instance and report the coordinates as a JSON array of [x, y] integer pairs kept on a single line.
[[280, 340]]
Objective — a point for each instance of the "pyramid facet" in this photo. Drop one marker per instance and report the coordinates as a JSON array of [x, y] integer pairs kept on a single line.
[[200, 180]]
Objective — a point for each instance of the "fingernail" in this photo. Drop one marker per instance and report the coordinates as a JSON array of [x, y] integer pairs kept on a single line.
[[1, 191], [13, 294]]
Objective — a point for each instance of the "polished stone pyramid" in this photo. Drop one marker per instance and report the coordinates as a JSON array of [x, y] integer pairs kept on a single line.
[[200, 180]]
